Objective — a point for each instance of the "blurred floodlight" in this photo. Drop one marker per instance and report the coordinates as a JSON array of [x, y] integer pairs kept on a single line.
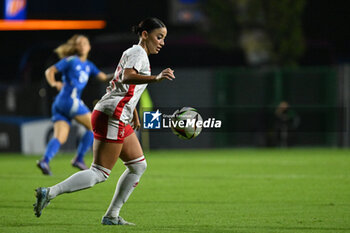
[[42, 92], [185, 12]]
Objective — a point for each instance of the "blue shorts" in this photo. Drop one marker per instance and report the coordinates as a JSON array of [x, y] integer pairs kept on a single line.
[[65, 109]]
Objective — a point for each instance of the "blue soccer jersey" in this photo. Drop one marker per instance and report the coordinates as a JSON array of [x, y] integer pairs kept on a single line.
[[75, 76]]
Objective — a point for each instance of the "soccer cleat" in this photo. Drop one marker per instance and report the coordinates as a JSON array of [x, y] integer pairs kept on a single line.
[[42, 200], [115, 221], [44, 167], [79, 164]]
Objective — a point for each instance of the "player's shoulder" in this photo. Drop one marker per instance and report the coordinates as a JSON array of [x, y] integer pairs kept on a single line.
[[135, 49], [72, 58]]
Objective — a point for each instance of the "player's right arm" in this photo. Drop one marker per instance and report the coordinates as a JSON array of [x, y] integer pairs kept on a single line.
[[131, 76], [50, 77]]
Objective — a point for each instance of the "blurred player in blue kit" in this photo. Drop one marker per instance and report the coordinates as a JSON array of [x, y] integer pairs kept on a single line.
[[76, 70]]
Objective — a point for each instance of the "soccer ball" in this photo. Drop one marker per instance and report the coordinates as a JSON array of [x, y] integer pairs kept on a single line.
[[184, 123]]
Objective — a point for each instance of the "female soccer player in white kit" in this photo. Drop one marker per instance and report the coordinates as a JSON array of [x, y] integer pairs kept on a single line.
[[112, 119]]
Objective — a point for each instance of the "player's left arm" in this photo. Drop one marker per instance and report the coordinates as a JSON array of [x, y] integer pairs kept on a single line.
[[136, 120], [50, 77], [103, 77]]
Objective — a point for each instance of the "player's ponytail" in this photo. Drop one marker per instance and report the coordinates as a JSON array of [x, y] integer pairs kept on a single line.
[[147, 25], [135, 29], [68, 48]]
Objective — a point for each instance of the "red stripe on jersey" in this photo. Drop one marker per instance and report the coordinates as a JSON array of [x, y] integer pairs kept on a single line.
[[119, 109]]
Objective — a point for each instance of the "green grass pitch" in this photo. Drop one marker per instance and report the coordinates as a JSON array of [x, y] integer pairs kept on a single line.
[[238, 190]]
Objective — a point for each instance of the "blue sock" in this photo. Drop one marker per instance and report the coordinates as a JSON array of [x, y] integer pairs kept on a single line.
[[85, 144], [51, 150]]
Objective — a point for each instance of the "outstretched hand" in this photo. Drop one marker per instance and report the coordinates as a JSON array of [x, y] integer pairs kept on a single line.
[[58, 85], [166, 74]]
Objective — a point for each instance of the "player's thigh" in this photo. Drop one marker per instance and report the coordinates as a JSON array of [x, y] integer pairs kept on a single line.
[[85, 120], [106, 153], [131, 148], [61, 131]]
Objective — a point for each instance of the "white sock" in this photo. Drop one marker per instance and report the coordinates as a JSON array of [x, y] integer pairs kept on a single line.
[[126, 184], [80, 180]]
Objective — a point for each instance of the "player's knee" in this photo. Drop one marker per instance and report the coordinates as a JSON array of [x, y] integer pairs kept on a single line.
[[138, 167], [89, 127], [62, 137], [141, 167], [101, 174], [62, 140]]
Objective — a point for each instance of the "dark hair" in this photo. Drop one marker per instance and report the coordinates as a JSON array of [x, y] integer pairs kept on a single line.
[[148, 25]]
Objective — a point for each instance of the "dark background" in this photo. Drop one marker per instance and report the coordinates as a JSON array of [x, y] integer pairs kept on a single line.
[[324, 24], [207, 73]]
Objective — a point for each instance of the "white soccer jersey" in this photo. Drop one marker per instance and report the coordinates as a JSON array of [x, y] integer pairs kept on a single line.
[[121, 99]]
